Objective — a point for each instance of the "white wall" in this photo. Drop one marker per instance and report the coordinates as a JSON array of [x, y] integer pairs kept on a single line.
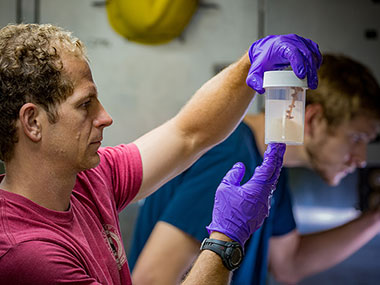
[[336, 25], [142, 86], [7, 12]]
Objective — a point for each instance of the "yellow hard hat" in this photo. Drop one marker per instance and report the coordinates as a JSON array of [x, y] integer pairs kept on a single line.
[[150, 21]]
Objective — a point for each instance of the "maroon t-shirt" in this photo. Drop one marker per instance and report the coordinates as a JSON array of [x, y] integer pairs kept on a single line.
[[79, 246]]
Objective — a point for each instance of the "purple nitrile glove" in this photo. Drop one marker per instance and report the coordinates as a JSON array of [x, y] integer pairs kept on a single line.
[[239, 210], [278, 52]]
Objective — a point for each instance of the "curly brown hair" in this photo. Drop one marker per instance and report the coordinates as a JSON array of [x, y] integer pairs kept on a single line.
[[346, 89], [31, 70]]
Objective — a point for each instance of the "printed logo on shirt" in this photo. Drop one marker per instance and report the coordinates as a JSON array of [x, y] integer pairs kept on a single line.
[[114, 244]]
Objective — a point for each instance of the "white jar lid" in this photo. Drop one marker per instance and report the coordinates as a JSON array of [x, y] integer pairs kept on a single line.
[[283, 78]]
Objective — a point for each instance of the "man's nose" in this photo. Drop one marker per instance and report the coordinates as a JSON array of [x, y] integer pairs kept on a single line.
[[103, 119]]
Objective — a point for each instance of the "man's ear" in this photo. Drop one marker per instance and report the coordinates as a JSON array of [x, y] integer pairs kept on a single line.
[[313, 118], [30, 121]]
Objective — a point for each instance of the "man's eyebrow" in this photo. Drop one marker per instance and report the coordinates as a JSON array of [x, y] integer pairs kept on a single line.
[[91, 92]]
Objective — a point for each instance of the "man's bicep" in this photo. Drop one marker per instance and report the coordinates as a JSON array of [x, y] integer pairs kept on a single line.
[[165, 153], [39, 263], [166, 257]]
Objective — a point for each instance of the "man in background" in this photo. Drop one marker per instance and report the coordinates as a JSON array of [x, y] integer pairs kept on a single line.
[[342, 116]]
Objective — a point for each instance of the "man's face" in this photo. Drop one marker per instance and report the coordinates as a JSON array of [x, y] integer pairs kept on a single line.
[[339, 152], [74, 139]]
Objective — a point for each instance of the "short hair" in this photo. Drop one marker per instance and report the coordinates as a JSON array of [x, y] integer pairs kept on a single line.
[[31, 70], [346, 89]]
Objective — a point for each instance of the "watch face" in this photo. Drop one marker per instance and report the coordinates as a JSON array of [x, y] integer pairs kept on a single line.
[[230, 252], [236, 257]]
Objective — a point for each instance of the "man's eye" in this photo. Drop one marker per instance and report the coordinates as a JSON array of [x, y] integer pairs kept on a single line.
[[355, 138], [359, 138], [86, 104]]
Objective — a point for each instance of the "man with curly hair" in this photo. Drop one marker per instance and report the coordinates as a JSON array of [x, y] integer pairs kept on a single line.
[[61, 193]]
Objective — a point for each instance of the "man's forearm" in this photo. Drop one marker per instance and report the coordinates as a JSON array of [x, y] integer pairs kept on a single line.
[[328, 248], [218, 106], [209, 268], [320, 251], [208, 118]]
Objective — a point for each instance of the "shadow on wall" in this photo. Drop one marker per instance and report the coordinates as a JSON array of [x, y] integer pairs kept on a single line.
[[2, 170]]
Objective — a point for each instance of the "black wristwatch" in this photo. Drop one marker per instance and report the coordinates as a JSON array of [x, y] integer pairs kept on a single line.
[[230, 252]]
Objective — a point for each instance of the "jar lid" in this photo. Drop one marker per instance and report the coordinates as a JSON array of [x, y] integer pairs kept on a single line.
[[283, 78]]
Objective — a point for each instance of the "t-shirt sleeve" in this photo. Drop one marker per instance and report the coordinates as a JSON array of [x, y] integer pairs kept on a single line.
[[121, 167], [284, 221], [41, 262]]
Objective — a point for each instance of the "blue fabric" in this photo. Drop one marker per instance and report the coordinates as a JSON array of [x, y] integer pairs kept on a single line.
[[186, 202]]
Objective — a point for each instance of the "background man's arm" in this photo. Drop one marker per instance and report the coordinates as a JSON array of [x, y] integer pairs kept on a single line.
[[166, 257], [294, 256]]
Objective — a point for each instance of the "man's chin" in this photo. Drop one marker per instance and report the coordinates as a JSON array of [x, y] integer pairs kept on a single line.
[[335, 180], [95, 161], [331, 180], [91, 163]]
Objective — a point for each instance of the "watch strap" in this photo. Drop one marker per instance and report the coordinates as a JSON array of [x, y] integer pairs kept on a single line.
[[225, 250]]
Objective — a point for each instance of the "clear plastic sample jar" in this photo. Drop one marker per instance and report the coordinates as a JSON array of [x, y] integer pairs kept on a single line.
[[284, 107]]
